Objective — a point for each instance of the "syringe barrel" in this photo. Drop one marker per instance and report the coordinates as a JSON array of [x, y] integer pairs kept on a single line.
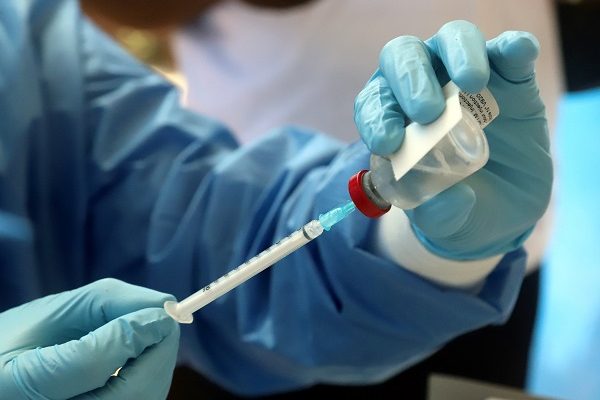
[[250, 268]]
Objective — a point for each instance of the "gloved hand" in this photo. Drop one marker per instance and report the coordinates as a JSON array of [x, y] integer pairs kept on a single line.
[[494, 210], [68, 345]]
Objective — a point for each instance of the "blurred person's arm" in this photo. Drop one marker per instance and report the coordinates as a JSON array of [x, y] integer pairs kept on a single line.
[[157, 14], [144, 14]]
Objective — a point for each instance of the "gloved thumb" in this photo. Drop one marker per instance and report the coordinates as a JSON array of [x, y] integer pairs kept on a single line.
[[445, 214], [512, 55], [80, 366]]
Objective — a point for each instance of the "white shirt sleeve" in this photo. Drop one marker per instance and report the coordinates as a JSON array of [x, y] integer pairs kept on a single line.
[[395, 240]]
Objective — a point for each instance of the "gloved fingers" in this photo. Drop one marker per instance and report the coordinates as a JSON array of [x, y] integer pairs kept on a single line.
[[70, 315], [444, 214], [378, 117], [406, 65], [408, 68], [102, 301], [513, 54], [145, 377], [79, 366], [461, 48]]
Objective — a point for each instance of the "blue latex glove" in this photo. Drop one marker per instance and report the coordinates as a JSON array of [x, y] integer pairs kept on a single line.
[[69, 344], [494, 210]]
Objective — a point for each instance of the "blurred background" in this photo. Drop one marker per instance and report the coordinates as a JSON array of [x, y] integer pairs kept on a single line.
[[565, 358], [565, 350]]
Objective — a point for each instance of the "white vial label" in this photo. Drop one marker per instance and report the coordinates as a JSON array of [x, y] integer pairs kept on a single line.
[[482, 106]]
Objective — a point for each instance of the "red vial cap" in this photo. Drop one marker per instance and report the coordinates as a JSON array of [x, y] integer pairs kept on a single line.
[[358, 195]]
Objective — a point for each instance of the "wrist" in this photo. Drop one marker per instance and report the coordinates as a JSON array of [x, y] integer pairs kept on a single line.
[[473, 245], [395, 239]]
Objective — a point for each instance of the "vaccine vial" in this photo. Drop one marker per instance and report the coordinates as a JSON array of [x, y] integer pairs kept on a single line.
[[447, 151]]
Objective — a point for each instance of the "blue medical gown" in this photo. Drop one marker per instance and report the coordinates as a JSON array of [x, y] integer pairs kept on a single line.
[[102, 173]]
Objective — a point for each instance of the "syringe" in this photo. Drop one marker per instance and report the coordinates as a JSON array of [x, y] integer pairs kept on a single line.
[[182, 311]]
